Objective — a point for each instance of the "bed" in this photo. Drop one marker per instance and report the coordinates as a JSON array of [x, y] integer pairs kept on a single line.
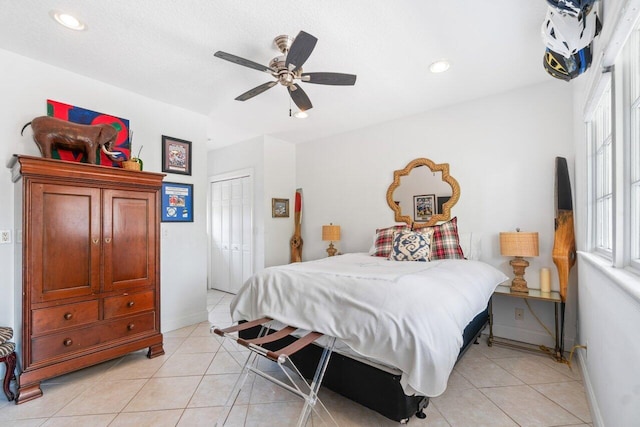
[[401, 326]]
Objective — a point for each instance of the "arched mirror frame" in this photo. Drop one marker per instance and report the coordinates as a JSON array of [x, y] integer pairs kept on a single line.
[[446, 207]]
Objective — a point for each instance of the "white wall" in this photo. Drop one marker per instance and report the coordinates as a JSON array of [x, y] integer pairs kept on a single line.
[[25, 86], [608, 322], [501, 149], [243, 156], [279, 183], [273, 164], [609, 298]]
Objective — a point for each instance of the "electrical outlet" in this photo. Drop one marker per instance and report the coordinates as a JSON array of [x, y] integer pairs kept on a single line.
[[5, 236], [586, 350], [519, 314]]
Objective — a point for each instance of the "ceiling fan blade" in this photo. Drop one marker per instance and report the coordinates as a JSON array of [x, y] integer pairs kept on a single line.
[[256, 91], [300, 98], [300, 49], [244, 62], [337, 79]]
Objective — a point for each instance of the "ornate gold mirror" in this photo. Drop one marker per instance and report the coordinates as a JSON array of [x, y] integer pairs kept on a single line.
[[423, 193]]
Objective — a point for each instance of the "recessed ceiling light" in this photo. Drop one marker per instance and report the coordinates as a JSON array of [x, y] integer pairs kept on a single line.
[[439, 66], [67, 20], [300, 115]]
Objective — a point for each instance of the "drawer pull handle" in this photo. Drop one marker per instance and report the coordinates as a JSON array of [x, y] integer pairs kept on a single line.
[[130, 326], [68, 316], [131, 304], [67, 342], [107, 239], [95, 241]]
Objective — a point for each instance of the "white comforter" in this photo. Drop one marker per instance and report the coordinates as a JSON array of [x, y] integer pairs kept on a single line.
[[410, 315]]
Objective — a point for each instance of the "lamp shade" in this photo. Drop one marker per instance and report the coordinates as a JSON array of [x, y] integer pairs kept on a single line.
[[331, 232], [519, 244]]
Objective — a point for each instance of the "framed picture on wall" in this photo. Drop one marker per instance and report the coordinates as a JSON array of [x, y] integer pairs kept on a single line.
[[280, 208], [177, 202], [176, 155], [424, 207]]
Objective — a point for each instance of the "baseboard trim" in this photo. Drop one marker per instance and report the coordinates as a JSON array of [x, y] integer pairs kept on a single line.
[[596, 416], [181, 322]]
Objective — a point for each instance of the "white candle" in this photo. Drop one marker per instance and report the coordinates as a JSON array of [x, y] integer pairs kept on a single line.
[[545, 280]]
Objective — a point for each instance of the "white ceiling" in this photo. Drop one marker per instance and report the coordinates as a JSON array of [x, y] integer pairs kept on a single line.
[[164, 49]]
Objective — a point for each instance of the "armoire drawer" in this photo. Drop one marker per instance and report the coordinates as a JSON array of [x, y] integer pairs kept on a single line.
[[123, 305], [83, 338], [64, 316]]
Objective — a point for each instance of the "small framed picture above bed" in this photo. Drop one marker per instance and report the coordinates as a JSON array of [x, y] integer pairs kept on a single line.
[[424, 207], [280, 208]]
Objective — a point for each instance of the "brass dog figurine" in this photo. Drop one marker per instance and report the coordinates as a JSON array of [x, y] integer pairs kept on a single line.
[[50, 131]]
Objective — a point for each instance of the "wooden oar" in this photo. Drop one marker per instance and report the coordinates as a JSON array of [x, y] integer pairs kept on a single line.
[[296, 239], [564, 244]]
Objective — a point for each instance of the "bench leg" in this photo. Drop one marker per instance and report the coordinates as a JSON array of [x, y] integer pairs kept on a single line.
[[10, 362]]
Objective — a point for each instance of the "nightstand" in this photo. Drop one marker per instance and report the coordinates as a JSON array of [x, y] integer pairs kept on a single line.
[[533, 294]]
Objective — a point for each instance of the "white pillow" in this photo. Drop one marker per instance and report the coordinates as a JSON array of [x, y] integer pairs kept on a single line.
[[470, 244]]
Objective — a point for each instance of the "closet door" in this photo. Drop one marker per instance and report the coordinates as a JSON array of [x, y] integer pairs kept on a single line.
[[220, 192], [247, 230], [231, 233]]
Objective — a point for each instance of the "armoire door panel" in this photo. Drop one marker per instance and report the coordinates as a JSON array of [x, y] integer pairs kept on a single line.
[[65, 244], [130, 239]]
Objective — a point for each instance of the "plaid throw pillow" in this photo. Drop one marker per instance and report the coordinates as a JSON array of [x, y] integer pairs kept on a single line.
[[445, 243], [384, 240], [411, 246]]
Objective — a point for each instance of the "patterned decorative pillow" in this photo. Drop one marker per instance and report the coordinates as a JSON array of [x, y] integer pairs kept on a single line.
[[411, 246], [5, 334], [7, 348], [445, 243], [384, 240]]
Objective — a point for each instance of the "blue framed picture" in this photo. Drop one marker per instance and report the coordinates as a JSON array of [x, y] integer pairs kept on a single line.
[[177, 202]]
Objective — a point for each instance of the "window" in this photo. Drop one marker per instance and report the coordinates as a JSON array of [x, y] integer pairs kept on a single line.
[[601, 143], [612, 117], [631, 52]]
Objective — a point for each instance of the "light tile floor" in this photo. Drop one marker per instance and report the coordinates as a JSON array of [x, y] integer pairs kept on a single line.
[[189, 385]]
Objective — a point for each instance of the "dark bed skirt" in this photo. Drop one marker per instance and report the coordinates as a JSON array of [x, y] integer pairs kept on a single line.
[[369, 386]]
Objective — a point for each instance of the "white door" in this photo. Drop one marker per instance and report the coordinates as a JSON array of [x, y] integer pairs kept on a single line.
[[231, 236]]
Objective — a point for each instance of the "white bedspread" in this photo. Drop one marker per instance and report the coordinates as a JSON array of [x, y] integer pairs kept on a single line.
[[410, 315]]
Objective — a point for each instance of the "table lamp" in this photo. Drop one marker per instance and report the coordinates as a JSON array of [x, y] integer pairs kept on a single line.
[[519, 245], [331, 233]]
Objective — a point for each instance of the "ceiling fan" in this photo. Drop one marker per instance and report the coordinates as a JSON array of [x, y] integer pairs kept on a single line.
[[287, 68]]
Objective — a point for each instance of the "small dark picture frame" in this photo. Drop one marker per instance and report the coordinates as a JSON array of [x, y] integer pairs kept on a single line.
[[441, 201], [176, 155], [177, 202], [280, 208], [424, 207]]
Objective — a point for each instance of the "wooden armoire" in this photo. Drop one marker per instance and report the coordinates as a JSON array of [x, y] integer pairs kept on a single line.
[[90, 266]]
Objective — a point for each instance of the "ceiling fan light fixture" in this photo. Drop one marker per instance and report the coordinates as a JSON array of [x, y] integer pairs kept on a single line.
[[67, 20], [300, 115], [439, 66]]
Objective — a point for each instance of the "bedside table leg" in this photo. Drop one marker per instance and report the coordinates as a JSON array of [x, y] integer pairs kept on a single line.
[[559, 314], [490, 340]]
